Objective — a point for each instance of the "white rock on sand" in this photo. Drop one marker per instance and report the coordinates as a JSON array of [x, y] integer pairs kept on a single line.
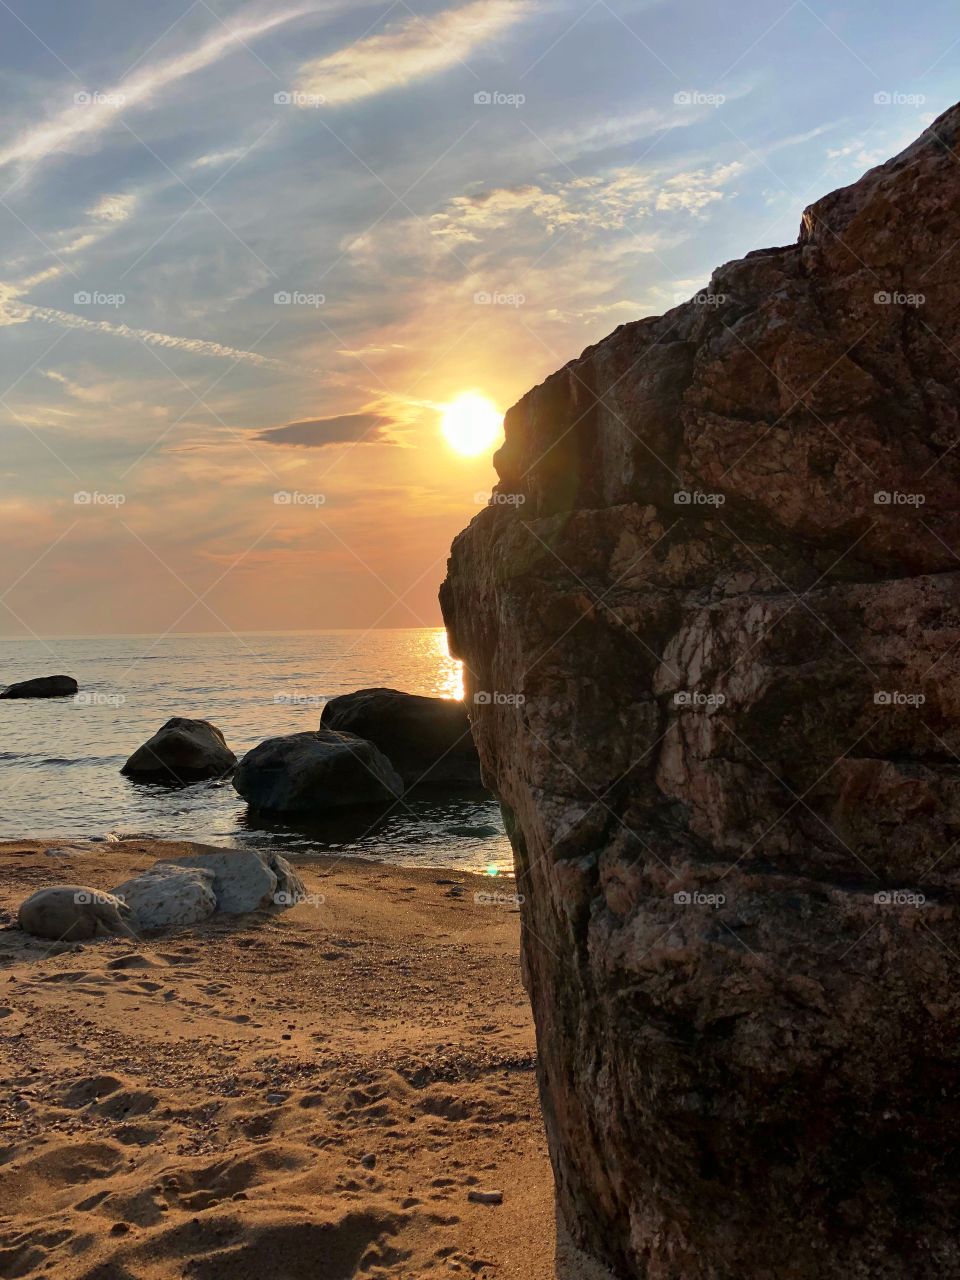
[[168, 895], [73, 913], [245, 880]]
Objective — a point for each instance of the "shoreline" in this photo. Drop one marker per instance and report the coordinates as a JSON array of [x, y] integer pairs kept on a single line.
[[255, 1092]]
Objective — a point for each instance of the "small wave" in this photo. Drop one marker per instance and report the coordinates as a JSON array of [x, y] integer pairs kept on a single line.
[[36, 760]]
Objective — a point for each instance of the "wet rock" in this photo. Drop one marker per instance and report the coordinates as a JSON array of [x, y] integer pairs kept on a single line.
[[719, 648], [316, 772], [427, 740], [42, 687], [182, 750]]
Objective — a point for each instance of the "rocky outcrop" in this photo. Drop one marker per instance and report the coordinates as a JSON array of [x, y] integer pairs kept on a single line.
[[182, 750], [316, 773], [427, 740], [717, 631], [42, 687]]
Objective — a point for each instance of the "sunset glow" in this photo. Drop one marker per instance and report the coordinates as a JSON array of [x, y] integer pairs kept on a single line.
[[471, 424]]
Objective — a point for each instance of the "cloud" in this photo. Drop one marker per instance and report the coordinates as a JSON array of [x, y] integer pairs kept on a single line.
[[115, 208], [86, 119], [317, 433], [14, 312], [408, 51]]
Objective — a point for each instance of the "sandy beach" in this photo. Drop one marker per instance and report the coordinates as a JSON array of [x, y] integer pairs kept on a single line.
[[316, 1092]]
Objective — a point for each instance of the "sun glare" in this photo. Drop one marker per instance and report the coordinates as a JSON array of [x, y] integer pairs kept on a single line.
[[471, 424]]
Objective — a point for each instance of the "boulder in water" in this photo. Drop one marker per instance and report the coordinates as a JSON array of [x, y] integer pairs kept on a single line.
[[42, 687], [182, 750], [427, 740], [316, 772]]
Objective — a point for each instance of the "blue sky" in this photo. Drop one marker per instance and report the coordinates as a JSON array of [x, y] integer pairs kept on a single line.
[[168, 170]]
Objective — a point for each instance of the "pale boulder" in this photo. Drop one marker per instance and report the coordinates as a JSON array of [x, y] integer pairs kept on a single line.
[[167, 896], [73, 913]]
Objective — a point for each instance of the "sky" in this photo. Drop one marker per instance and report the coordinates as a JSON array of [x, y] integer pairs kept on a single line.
[[250, 251]]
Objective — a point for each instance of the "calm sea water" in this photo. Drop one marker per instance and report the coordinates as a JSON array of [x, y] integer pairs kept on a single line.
[[60, 759]]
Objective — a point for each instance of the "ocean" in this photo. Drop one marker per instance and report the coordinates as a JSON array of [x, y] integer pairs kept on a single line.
[[60, 759]]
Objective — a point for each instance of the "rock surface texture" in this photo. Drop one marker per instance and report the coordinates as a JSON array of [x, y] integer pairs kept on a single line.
[[720, 637], [182, 750], [316, 773], [427, 740]]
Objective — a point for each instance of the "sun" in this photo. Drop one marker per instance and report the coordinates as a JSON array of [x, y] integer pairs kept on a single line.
[[471, 424]]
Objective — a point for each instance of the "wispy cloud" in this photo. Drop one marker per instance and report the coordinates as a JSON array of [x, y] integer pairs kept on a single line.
[[408, 51], [315, 433], [98, 112]]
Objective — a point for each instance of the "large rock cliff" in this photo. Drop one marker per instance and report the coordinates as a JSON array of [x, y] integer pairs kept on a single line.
[[711, 630]]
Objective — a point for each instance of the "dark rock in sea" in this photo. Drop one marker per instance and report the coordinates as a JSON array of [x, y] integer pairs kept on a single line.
[[316, 772], [182, 750], [42, 687], [427, 740], [724, 628]]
